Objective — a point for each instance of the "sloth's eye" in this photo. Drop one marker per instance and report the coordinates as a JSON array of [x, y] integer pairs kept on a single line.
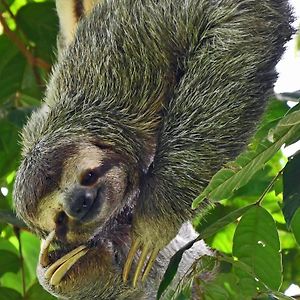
[[89, 178]]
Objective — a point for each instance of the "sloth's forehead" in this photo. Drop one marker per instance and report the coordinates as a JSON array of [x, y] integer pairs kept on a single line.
[[43, 168], [86, 157], [49, 170]]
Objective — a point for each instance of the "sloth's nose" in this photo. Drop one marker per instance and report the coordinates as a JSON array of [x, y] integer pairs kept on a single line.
[[79, 202]]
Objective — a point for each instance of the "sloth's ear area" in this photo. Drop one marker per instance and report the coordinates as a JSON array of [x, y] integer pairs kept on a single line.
[[70, 12]]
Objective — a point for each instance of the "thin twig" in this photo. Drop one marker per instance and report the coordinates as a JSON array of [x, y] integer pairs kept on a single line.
[[4, 3], [268, 188], [34, 61]]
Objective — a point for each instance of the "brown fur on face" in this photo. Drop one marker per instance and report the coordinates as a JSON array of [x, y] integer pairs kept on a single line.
[[49, 208], [38, 176], [106, 230]]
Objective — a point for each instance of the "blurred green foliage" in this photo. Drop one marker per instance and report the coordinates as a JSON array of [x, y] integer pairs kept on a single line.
[[248, 269], [28, 32]]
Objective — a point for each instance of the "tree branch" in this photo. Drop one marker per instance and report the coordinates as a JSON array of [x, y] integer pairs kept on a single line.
[[4, 3], [34, 61]]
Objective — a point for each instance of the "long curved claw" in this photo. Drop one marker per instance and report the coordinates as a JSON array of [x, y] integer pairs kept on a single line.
[[57, 270], [146, 251], [44, 252], [65, 267], [140, 265], [62, 260], [134, 248], [150, 264]]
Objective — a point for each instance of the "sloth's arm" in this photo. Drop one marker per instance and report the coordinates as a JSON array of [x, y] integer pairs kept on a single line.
[[226, 79]]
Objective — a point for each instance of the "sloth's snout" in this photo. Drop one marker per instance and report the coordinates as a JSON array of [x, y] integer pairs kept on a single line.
[[79, 202]]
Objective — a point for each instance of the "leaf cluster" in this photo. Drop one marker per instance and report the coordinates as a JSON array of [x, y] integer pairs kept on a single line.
[[28, 32], [256, 223]]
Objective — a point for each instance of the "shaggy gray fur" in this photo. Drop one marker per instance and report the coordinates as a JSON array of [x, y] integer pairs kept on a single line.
[[179, 83], [212, 62]]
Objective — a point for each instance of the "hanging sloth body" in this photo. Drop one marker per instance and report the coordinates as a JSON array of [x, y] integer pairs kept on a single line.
[[148, 100]]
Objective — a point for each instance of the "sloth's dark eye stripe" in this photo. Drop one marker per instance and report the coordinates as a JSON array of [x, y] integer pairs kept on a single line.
[[91, 176], [78, 9]]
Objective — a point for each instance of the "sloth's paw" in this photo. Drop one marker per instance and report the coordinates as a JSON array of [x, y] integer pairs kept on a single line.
[[148, 254], [149, 237]]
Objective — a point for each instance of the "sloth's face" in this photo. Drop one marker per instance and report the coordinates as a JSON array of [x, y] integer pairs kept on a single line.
[[93, 187], [83, 204]]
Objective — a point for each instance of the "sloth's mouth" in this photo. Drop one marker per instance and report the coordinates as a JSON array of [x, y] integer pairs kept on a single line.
[[114, 240]]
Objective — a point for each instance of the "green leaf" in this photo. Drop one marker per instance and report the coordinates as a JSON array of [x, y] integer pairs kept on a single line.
[[7, 47], [295, 225], [3, 7], [208, 231], [229, 179], [280, 296], [12, 66], [184, 295], [8, 246], [226, 220], [247, 285], [17, 77], [29, 101], [9, 147], [222, 240], [36, 292], [223, 287], [13, 281], [17, 117], [30, 248], [39, 22], [7, 216], [172, 268], [274, 113], [291, 119], [291, 188], [9, 294], [256, 243], [9, 262]]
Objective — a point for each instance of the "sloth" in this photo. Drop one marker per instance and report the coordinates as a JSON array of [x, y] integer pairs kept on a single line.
[[94, 274], [148, 100]]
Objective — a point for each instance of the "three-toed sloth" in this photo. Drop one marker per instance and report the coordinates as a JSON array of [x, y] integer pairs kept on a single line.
[[148, 100]]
